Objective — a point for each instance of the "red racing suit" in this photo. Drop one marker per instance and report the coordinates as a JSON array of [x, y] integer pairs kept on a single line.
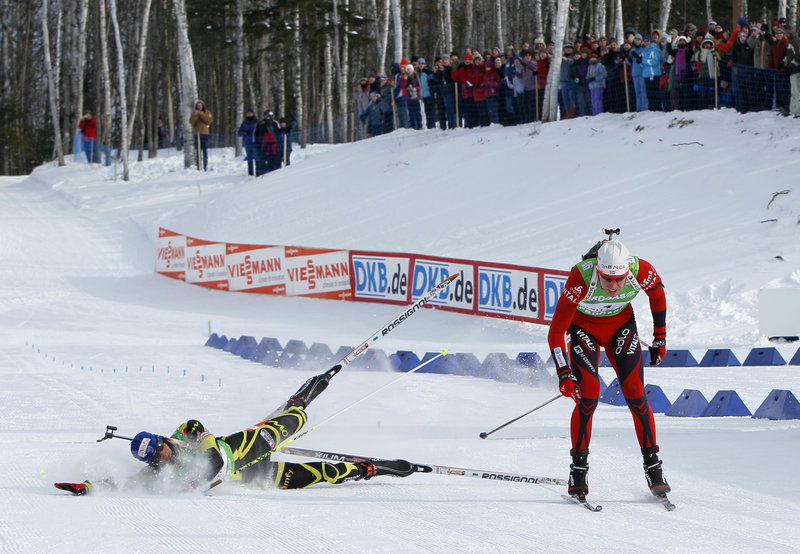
[[594, 320]]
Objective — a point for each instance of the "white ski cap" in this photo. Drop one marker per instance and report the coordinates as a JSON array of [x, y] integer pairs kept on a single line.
[[612, 259]]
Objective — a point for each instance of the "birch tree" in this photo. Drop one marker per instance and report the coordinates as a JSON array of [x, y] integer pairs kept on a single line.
[[550, 103], [619, 28], [327, 88], [448, 27], [663, 15], [498, 8], [398, 30], [52, 86], [139, 67], [80, 62], [188, 82], [123, 109], [238, 68], [298, 79], [105, 127]]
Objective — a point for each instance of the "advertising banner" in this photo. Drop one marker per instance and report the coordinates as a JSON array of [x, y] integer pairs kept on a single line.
[[460, 296], [380, 277], [205, 263], [318, 272], [171, 257], [508, 291], [255, 268]]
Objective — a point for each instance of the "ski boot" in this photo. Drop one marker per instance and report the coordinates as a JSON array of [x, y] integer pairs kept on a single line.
[[309, 391], [652, 470], [395, 468], [578, 484]]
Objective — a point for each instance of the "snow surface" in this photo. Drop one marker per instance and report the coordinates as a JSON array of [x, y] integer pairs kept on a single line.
[[92, 336]]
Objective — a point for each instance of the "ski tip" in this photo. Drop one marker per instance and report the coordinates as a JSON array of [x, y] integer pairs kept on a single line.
[[444, 351]]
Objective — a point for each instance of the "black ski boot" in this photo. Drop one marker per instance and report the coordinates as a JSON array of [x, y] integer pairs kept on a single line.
[[395, 468], [578, 485], [309, 391], [652, 470]]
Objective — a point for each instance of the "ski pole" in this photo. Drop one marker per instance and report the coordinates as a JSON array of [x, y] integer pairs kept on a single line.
[[307, 431], [486, 434]]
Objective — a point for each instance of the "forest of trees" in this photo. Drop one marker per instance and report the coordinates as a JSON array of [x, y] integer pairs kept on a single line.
[[136, 62]]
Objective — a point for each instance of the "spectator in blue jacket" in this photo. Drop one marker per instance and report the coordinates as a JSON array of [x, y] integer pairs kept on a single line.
[[652, 58], [635, 58], [246, 131]]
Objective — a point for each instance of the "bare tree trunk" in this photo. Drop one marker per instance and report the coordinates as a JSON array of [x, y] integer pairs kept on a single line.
[[469, 8], [448, 27], [238, 69], [123, 101], [619, 28], [663, 15], [498, 8], [327, 88], [398, 30], [142, 55], [188, 80], [79, 68], [709, 16], [52, 86], [344, 75], [105, 128], [383, 38], [537, 18], [600, 18], [298, 80], [550, 107], [792, 13]]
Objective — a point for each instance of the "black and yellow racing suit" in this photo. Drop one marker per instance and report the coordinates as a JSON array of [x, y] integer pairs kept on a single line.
[[244, 456]]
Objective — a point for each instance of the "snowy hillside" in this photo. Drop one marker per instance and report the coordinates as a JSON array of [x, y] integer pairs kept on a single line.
[[91, 336]]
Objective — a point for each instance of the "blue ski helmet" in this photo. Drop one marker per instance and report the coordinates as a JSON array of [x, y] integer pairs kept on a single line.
[[145, 445]]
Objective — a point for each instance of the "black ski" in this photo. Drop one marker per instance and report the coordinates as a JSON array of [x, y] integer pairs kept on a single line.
[[583, 502]]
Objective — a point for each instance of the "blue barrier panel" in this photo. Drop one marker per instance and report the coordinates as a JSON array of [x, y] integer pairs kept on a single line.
[[613, 395], [231, 345], [779, 404], [296, 346], [659, 402], [212, 340], [603, 385], [260, 355], [725, 403], [245, 347], [764, 356], [719, 357], [457, 364], [678, 358], [287, 360], [271, 358], [500, 367], [342, 352], [604, 361], [796, 358], [690, 403], [320, 352], [434, 365], [408, 360], [530, 359], [222, 342], [270, 343], [374, 359]]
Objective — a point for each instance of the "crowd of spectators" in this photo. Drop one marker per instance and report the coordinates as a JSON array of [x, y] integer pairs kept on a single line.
[[753, 66]]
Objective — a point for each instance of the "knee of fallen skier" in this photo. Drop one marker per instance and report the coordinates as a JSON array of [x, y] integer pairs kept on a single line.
[[594, 309], [192, 458]]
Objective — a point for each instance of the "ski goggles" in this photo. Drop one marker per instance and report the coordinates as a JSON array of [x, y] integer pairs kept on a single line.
[[613, 279]]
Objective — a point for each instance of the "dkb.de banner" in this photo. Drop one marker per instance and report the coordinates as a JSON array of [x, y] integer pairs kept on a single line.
[[481, 288]]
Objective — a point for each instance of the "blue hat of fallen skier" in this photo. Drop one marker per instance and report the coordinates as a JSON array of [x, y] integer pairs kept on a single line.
[[145, 446]]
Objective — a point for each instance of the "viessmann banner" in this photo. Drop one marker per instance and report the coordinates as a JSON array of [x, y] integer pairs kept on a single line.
[[481, 288]]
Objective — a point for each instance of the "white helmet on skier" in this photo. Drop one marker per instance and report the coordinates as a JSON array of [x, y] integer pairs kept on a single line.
[[612, 259]]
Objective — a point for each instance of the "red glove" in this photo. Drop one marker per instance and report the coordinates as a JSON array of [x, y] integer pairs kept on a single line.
[[78, 489], [568, 385], [657, 351]]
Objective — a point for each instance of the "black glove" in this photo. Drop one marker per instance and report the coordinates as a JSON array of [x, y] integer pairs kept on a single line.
[[657, 351], [78, 489]]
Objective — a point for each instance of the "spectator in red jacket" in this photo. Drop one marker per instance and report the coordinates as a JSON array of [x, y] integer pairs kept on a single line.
[[88, 128]]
